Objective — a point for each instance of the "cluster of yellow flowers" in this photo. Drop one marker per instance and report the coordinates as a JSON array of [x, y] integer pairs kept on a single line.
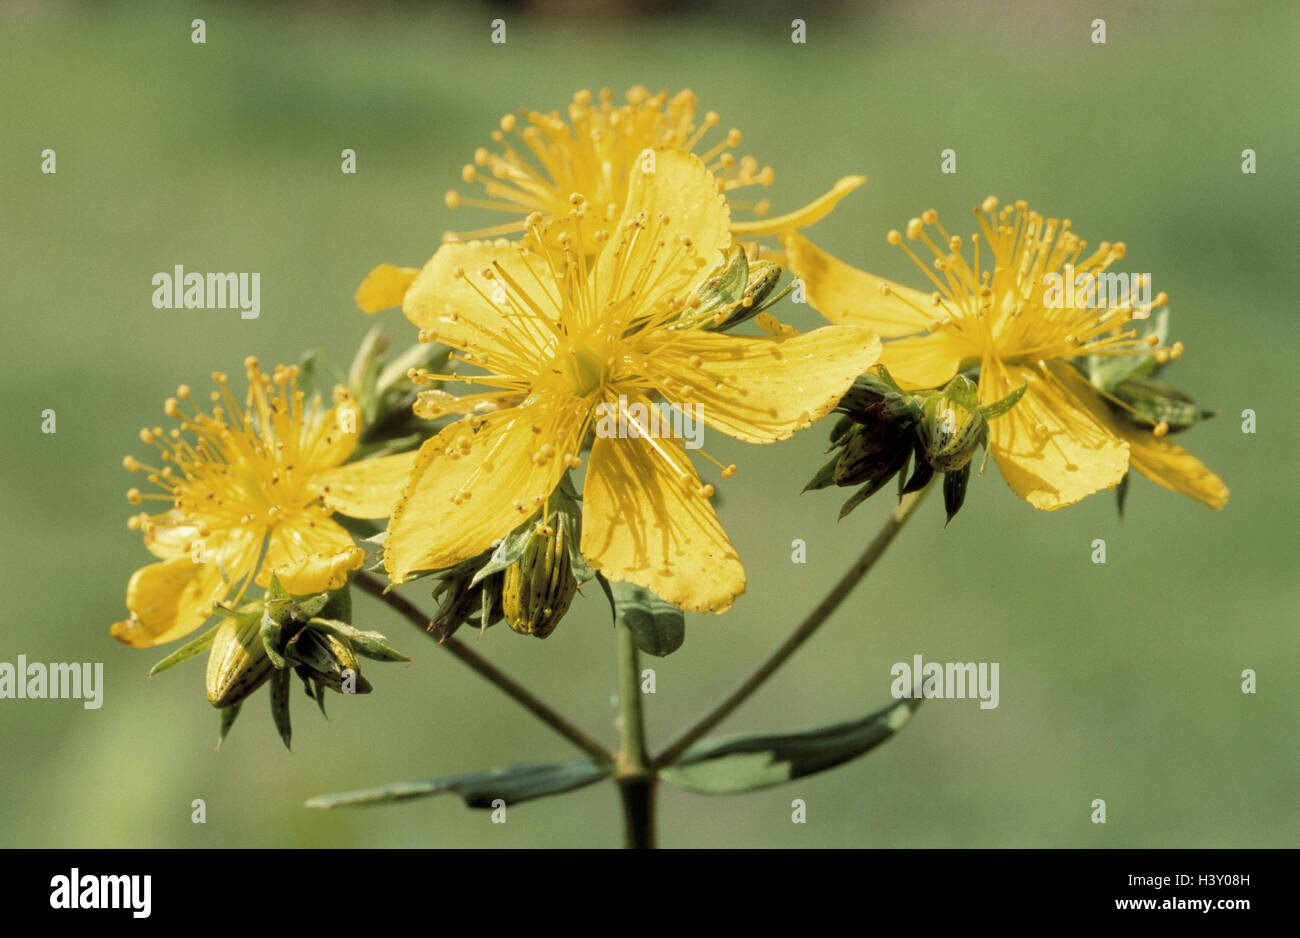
[[621, 224]]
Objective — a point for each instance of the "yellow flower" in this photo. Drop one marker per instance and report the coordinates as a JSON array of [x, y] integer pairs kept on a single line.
[[595, 308], [1012, 320], [250, 491], [544, 159]]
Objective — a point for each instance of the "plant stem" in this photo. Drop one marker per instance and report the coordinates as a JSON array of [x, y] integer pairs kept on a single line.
[[485, 668], [820, 613], [634, 775]]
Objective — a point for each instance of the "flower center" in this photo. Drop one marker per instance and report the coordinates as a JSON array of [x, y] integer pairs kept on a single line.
[[584, 366]]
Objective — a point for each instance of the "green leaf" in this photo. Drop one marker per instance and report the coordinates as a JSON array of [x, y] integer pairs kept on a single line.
[[658, 627], [512, 784], [187, 651], [745, 763]]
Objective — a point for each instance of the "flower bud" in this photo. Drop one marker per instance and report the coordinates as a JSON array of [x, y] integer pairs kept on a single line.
[[538, 588], [871, 452], [329, 660], [951, 427], [238, 663]]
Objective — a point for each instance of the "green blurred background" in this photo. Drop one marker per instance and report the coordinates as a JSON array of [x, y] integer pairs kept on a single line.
[[1119, 681]]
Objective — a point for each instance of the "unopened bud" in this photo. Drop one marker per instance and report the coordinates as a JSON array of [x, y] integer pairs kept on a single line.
[[238, 663], [538, 588]]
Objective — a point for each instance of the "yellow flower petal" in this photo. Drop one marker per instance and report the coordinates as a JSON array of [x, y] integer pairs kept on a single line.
[[762, 389], [311, 550], [1163, 462], [331, 436], [805, 217], [1170, 465], [636, 267], [1050, 449], [168, 600], [384, 287], [468, 487], [170, 535], [365, 489], [842, 293], [922, 361], [315, 573], [644, 522], [457, 305]]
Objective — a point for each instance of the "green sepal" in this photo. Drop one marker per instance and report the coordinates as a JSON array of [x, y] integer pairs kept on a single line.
[[824, 478], [725, 289], [922, 473], [998, 408], [276, 593], [569, 515], [370, 644], [1121, 494], [1159, 403], [363, 373], [486, 602], [187, 651], [280, 704], [1105, 372], [228, 715], [954, 491], [609, 594], [273, 639], [316, 690], [862, 494], [510, 549], [303, 610], [744, 763], [307, 650]]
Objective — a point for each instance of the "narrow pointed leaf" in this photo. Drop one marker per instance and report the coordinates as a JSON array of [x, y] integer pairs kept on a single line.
[[745, 763], [512, 784], [187, 651]]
